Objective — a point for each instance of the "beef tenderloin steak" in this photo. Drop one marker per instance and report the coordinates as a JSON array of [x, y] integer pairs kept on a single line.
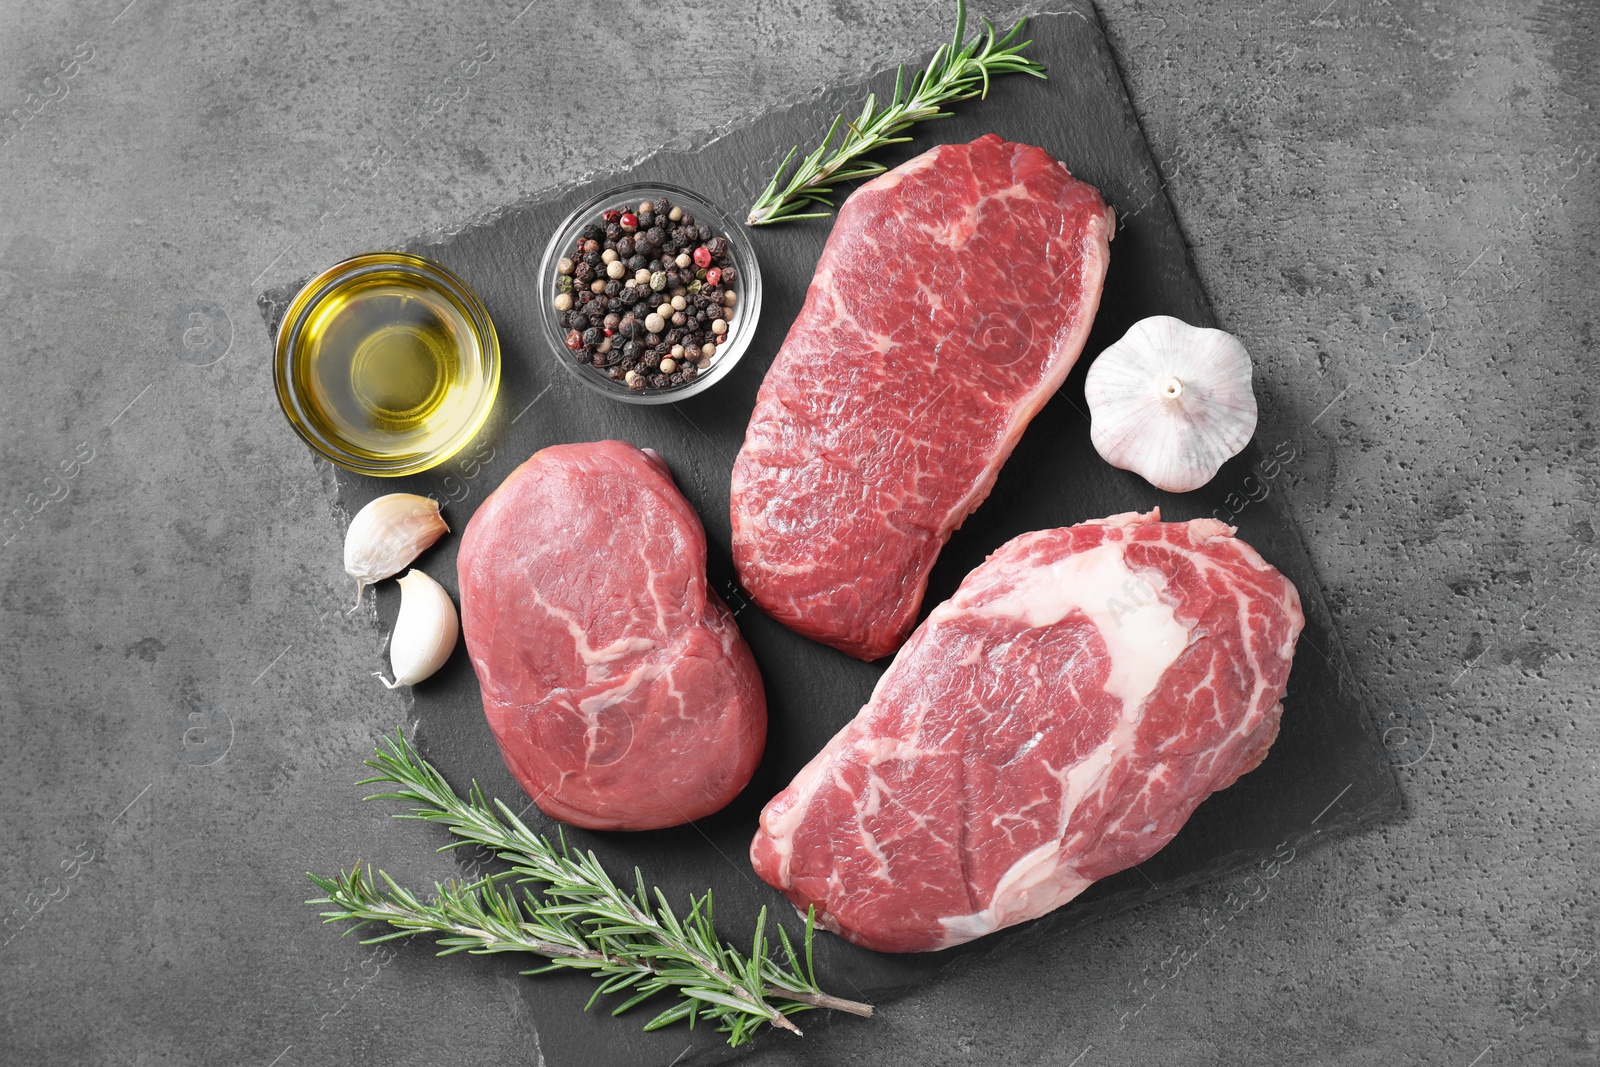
[[615, 680]]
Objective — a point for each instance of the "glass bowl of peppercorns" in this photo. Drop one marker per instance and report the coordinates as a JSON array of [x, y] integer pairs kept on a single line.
[[651, 294]]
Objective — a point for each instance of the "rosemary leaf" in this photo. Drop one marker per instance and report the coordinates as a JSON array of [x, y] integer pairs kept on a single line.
[[958, 71], [561, 905]]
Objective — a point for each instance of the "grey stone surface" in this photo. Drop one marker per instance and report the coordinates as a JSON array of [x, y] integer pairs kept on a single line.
[[1392, 202]]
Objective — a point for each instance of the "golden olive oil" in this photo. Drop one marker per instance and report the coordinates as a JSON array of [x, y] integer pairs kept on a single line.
[[389, 366]]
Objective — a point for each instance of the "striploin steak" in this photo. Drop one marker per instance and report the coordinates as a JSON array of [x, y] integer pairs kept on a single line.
[[954, 295], [616, 682], [1054, 722]]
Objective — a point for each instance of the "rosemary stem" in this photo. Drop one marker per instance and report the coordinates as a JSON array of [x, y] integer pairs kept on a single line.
[[824, 1000]]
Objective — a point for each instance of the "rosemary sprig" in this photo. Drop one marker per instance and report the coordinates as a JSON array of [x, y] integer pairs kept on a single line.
[[958, 71], [561, 904]]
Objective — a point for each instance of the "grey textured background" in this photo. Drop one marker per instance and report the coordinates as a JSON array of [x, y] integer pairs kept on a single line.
[[1392, 202]]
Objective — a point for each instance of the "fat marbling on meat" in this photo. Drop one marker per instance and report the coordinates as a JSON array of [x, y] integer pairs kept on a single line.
[[1052, 723], [954, 295]]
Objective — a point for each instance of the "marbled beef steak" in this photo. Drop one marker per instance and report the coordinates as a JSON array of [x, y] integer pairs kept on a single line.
[[616, 682], [954, 295], [1055, 721]]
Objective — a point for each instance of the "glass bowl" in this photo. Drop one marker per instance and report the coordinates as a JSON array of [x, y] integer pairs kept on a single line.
[[386, 364], [746, 311]]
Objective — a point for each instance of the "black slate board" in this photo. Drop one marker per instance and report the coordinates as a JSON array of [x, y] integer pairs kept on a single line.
[[1326, 774]]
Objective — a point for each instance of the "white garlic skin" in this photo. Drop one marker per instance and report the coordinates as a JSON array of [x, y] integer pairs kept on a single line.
[[425, 632], [1171, 402], [387, 535]]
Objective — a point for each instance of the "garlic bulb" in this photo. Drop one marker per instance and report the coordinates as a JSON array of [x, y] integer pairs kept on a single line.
[[1171, 402], [387, 534], [425, 632]]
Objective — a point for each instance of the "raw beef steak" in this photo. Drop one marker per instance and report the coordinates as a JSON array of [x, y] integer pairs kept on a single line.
[[616, 682], [1055, 721], [953, 297]]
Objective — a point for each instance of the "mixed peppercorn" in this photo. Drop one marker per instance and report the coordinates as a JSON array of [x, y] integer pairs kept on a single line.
[[646, 295]]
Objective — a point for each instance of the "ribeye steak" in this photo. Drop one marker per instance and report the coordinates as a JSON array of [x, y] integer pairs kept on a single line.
[[954, 295], [616, 682], [1055, 721]]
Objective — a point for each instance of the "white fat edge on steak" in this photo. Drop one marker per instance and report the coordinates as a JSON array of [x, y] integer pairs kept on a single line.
[[1143, 639]]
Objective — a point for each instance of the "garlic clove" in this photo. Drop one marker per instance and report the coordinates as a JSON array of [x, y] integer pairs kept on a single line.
[[424, 633], [387, 535], [1171, 402]]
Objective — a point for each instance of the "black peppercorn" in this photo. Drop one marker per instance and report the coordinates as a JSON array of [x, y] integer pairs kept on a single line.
[[605, 317]]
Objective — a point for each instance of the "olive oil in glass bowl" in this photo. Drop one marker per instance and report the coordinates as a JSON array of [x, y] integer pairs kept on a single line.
[[387, 364]]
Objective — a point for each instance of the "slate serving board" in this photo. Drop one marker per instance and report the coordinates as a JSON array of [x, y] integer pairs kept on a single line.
[[1326, 774]]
